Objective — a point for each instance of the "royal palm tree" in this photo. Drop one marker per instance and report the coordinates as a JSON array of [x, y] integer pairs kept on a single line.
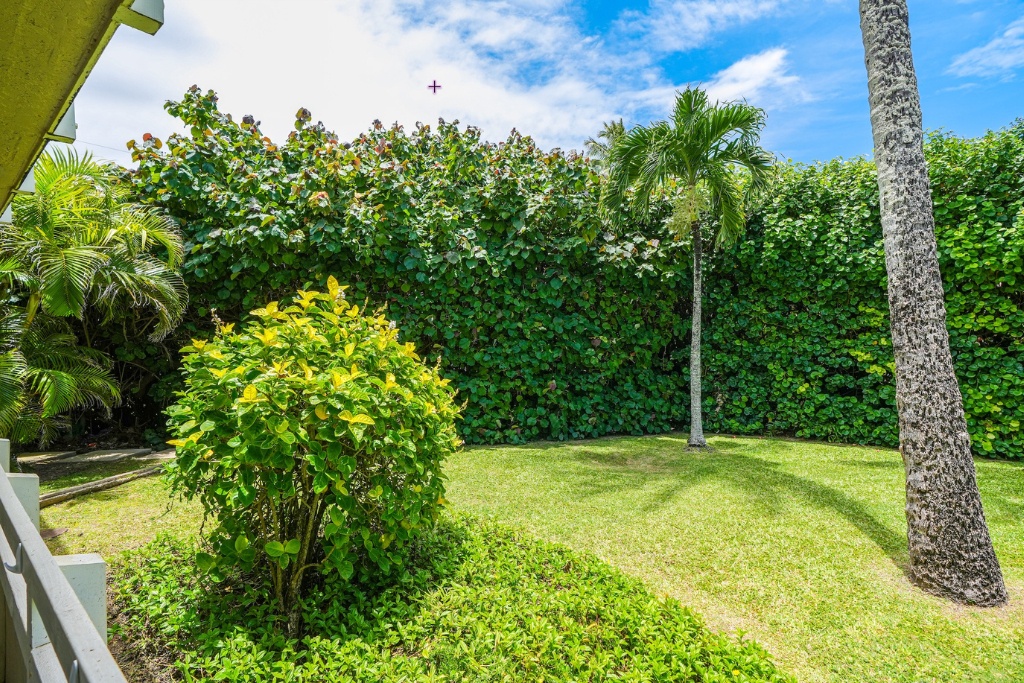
[[707, 158], [951, 553], [77, 249]]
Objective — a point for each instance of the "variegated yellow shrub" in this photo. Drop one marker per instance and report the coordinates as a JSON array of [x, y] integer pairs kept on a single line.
[[314, 440]]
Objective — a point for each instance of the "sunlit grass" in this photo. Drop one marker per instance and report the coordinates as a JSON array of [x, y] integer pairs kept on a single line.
[[119, 519], [801, 545]]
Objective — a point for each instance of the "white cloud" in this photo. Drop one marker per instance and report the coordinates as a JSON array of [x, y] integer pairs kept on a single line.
[[763, 79], [501, 64], [678, 25], [1000, 57]]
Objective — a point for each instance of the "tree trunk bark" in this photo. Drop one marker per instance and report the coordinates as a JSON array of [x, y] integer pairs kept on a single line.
[[696, 422], [951, 553]]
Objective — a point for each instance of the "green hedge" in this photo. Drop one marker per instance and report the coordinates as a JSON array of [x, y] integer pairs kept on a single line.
[[552, 325], [799, 339]]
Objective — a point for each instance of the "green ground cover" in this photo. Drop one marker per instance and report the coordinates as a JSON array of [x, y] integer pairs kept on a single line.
[[800, 545]]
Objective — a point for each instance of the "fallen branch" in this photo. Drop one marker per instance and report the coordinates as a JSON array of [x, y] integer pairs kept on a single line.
[[99, 485]]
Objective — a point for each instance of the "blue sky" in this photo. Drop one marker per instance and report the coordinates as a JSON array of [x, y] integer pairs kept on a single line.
[[555, 69]]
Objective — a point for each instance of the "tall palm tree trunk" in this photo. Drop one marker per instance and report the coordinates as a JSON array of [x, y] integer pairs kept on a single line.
[[696, 423], [951, 553]]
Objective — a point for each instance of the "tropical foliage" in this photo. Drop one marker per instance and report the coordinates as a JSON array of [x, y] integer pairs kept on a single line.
[[314, 439], [481, 253], [78, 255], [806, 350], [695, 158]]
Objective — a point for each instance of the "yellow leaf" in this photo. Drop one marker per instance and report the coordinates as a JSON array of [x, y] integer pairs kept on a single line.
[[177, 442], [267, 336], [226, 328], [280, 367], [218, 373], [350, 348], [272, 307], [361, 418], [337, 379], [216, 354], [321, 412], [250, 393], [332, 286], [389, 382], [352, 312], [199, 344]]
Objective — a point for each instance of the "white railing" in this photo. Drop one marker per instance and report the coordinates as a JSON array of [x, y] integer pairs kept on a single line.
[[53, 627]]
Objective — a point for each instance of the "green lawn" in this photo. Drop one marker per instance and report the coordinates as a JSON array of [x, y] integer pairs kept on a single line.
[[69, 476], [801, 545]]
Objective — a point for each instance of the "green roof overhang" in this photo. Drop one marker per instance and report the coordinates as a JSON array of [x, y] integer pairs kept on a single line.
[[47, 50]]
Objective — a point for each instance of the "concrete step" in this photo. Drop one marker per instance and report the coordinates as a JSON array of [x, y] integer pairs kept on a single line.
[[158, 456], [37, 457]]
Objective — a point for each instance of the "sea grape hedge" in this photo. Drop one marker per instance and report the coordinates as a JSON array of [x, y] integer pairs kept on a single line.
[[799, 332], [554, 325]]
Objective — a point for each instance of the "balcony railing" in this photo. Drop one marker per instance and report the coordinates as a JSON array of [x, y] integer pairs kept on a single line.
[[54, 621]]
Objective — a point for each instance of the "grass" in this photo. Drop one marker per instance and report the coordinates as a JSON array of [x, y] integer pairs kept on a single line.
[[54, 478], [119, 519], [801, 545]]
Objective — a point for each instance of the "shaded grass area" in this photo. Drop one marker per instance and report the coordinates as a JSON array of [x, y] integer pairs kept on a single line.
[[480, 603], [801, 545], [57, 476]]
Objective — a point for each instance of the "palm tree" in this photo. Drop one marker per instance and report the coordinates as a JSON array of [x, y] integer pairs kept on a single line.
[[78, 242], [695, 157], [76, 249], [951, 553], [598, 148], [44, 374]]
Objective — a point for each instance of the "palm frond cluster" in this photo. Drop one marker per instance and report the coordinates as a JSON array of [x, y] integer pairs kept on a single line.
[[78, 250]]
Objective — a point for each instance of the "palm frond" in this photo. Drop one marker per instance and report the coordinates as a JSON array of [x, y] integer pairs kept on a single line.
[[697, 152]]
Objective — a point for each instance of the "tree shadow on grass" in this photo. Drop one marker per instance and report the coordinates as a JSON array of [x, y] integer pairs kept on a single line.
[[671, 469], [876, 464]]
